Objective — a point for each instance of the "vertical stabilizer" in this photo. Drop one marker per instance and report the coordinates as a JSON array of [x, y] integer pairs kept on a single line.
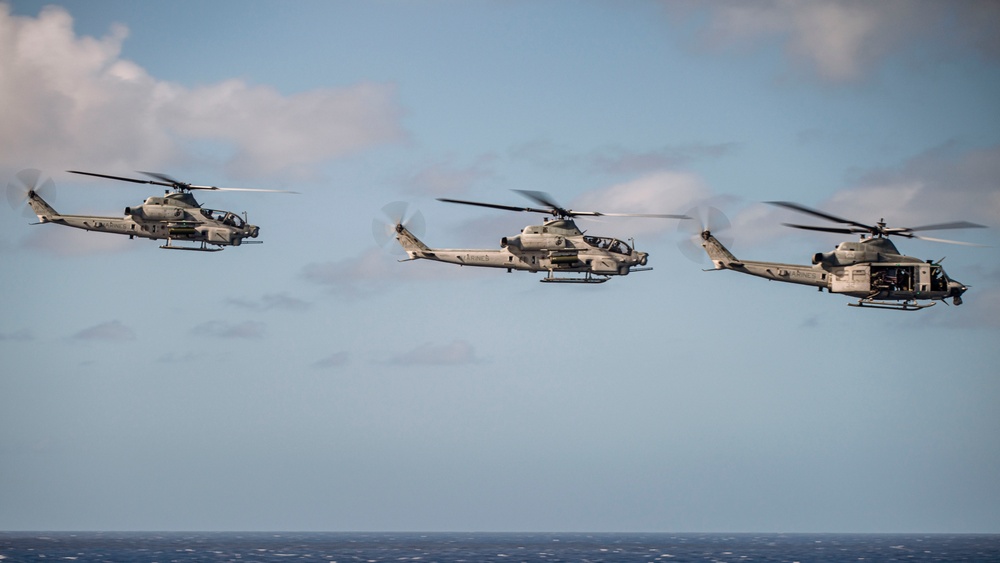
[[411, 244], [41, 208], [719, 254]]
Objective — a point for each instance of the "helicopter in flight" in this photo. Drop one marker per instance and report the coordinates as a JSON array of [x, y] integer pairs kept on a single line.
[[557, 246], [871, 269], [175, 217]]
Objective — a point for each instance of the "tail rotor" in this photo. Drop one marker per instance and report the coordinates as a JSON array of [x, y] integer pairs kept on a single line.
[[393, 214], [704, 219], [26, 182]]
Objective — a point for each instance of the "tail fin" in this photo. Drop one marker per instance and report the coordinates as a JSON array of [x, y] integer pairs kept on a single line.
[[411, 244], [720, 255], [41, 208]]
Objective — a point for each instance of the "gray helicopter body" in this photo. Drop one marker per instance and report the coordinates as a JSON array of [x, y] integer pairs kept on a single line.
[[557, 246], [856, 269], [871, 269], [175, 217]]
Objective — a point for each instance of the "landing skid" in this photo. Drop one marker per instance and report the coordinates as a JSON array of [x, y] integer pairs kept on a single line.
[[201, 248], [895, 305], [589, 278]]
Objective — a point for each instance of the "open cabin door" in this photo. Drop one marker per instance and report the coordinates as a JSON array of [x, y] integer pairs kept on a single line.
[[898, 278]]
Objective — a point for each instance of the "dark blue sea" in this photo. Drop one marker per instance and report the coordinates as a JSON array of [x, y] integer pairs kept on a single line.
[[151, 547]]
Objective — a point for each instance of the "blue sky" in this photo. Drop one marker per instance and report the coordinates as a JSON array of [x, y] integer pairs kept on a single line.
[[315, 383]]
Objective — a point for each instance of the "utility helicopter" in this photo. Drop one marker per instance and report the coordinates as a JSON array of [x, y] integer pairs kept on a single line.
[[176, 216], [557, 246], [872, 269]]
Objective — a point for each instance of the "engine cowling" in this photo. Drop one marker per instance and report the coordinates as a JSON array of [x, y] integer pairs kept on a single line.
[[155, 212], [821, 257], [512, 242], [536, 242]]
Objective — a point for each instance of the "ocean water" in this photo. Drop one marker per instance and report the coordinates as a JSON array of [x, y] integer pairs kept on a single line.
[[151, 547]]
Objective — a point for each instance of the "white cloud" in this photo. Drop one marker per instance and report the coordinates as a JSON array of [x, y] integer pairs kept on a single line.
[[187, 357], [940, 185], [17, 335], [226, 329], [844, 40], [270, 301], [936, 186], [335, 360], [357, 276], [65, 241], [375, 271], [70, 100], [445, 177], [618, 160], [456, 353], [664, 192], [111, 331], [272, 132]]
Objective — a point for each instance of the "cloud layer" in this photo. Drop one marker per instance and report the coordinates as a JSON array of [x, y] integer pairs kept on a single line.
[[74, 99], [843, 40], [458, 352], [111, 331]]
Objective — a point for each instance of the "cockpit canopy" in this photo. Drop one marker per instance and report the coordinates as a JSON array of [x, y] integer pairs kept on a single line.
[[609, 244], [225, 217]]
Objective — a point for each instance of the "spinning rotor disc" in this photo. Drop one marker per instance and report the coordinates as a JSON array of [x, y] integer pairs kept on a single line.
[[878, 230], [25, 182], [176, 185], [397, 213], [703, 219], [554, 209]]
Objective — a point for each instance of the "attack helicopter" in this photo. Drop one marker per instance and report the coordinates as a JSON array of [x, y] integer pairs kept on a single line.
[[557, 246], [175, 217], [871, 269]]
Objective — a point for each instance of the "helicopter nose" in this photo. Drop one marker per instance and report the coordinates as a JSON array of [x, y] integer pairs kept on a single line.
[[643, 258], [254, 231], [955, 290]]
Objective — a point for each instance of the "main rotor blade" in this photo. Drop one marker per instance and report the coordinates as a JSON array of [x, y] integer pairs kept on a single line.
[[555, 210], [164, 180], [948, 241], [123, 179], [539, 197], [843, 230], [218, 189], [546, 199], [808, 210], [495, 205], [955, 225], [646, 215]]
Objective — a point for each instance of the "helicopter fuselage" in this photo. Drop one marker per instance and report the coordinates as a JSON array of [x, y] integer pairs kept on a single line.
[[871, 270], [173, 217], [556, 246]]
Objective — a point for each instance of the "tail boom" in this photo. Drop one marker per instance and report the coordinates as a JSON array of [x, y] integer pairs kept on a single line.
[[723, 259]]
